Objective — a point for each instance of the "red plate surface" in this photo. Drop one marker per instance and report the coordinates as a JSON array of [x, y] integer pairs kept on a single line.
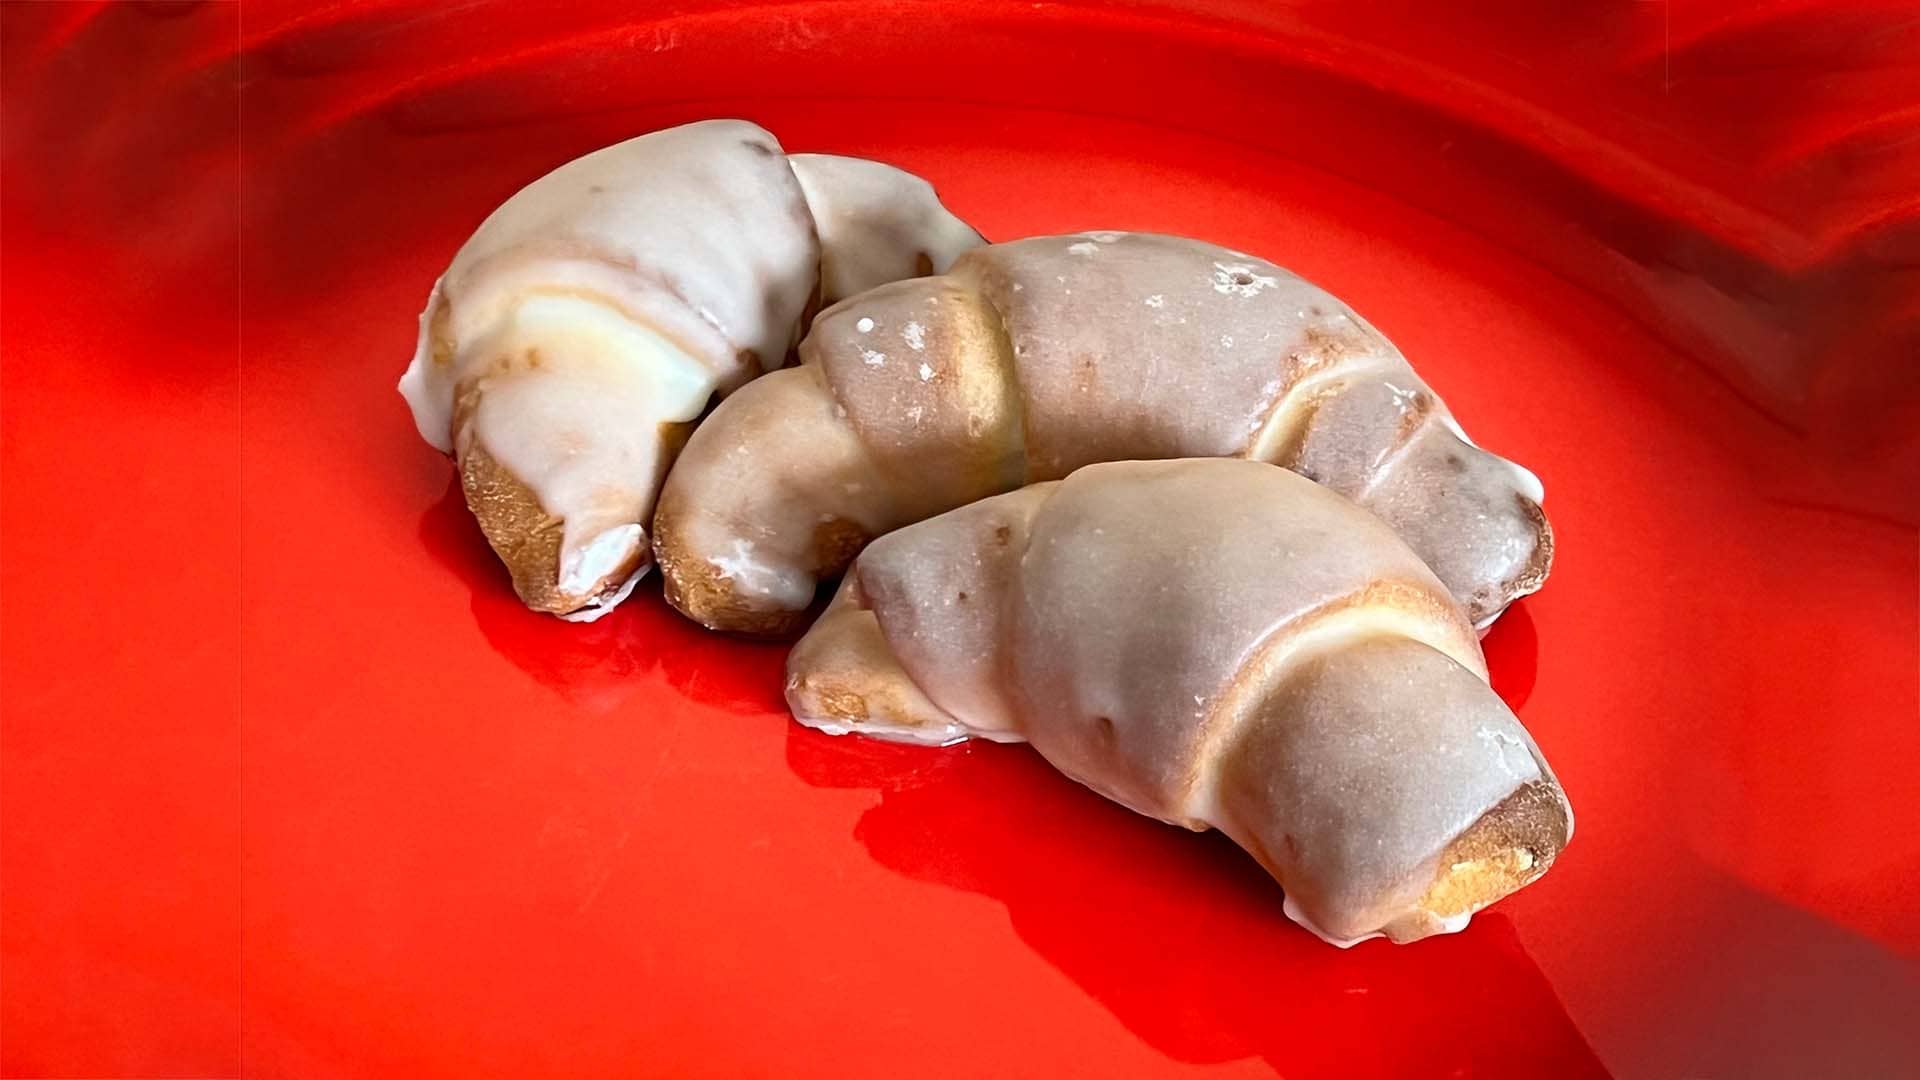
[[292, 787]]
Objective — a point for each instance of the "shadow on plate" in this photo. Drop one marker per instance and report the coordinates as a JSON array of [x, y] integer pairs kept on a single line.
[[1181, 936], [599, 665]]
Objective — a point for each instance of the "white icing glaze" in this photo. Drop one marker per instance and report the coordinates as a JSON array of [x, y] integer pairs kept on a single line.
[[621, 291], [875, 223], [1279, 423], [931, 735], [1431, 925], [1274, 663], [586, 566], [1241, 279], [428, 387], [582, 429], [1328, 634], [699, 232], [1292, 911], [1156, 347], [612, 296], [601, 605], [926, 735], [1528, 481], [678, 382], [753, 576]]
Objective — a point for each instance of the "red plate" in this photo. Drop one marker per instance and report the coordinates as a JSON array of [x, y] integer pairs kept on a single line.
[[294, 788]]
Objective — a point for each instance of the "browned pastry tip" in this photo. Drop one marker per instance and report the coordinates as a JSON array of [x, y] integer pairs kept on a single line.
[[525, 536], [844, 677], [700, 591], [858, 699], [1540, 564], [1527, 572], [1506, 849], [522, 533]]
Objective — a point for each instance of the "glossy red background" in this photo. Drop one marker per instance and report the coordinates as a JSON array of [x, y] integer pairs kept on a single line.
[[293, 788]]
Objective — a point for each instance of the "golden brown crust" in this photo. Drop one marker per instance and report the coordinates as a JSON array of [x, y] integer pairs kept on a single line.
[[698, 590], [858, 699], [1541, 563], [1506, 849], [835, 542], [830, 700], [524, 535], [843, 674]]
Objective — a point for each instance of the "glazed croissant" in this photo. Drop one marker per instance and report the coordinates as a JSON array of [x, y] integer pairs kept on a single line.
[[592, 316], [1217, 644], [1030, 359]]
